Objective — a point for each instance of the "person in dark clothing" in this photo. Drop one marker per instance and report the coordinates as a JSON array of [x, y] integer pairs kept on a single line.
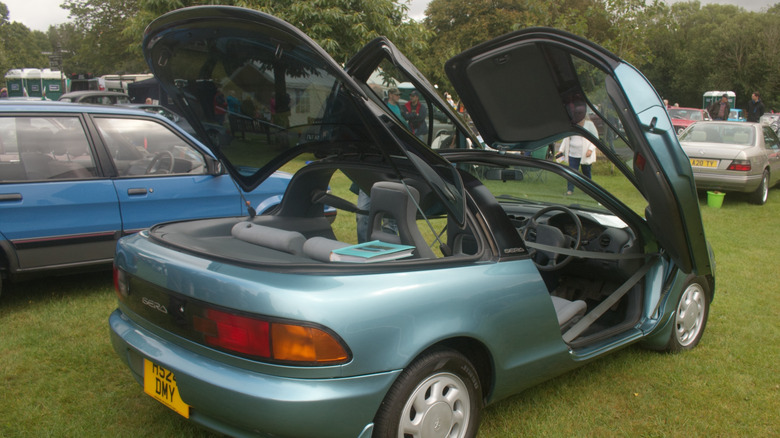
[[417, 115], [755, 108], [720, 110]]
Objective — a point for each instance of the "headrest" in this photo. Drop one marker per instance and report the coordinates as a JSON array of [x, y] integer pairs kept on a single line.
[[281, 240]]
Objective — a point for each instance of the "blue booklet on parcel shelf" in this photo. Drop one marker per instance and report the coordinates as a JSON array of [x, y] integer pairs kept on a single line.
[[371, 252]]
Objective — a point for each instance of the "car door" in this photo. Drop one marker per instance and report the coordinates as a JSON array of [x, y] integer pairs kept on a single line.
[[772, 145], [507, 84], [56, 210], [161, 176]]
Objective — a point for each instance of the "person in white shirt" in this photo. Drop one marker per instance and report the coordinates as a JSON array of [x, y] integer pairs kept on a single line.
[[579, 152]]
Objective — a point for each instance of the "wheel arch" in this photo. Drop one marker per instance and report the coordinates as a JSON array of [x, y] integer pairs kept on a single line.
[[658, 339], [5, 266], [477, 353], [6, 255]]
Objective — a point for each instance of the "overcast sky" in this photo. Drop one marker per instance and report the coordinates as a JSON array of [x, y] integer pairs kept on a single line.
[[40, 14]]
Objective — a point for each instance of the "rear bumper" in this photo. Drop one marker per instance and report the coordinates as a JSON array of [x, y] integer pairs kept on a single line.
[[241, 402], [726, 183]]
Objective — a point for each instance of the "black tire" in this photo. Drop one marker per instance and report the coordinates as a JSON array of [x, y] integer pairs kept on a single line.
[[690, 316], [762, 192], [438, 395]]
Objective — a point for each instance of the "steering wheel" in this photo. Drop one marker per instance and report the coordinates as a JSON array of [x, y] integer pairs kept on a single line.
[[161, 157], [552, 236]]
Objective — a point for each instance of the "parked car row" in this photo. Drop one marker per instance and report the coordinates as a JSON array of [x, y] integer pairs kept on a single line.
[[685, 117], [95, 97], [247, 325]]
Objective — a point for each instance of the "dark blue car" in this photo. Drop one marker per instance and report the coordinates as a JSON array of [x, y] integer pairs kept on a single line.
[[75, 178]]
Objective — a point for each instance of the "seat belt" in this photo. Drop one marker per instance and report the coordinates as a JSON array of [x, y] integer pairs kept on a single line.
[[613, 298], [325, 198], [585, 254]]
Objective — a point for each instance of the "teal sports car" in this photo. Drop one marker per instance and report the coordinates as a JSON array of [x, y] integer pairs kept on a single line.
[[494, 275]]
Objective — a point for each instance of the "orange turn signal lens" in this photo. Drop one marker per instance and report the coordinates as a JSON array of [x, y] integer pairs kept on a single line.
[[305, 344]]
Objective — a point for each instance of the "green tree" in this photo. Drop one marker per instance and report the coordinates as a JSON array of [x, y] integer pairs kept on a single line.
[[98, 40], [460, 24], [619, 25], [714, 47], [628, 25], [341, 27], [19, 46], [768, 52]]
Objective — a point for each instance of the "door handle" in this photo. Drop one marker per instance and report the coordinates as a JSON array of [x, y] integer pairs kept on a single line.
[[9, 197], [136, 192]]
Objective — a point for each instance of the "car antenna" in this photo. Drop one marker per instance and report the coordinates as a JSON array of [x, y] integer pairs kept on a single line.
[[252, 212], [249, 208]]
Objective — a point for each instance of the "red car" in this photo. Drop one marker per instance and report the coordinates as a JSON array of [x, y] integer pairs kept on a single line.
[[685, 117]]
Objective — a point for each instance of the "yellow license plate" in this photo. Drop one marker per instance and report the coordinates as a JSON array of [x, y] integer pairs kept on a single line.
[[696, 162], [160, 383]]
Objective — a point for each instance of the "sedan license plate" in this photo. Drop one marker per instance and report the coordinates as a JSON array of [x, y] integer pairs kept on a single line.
[[698, 162], [160, 383]]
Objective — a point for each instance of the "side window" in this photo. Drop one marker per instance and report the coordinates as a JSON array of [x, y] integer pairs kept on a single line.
[[44, 148], [770, 139], [424, 119], [146, 147]]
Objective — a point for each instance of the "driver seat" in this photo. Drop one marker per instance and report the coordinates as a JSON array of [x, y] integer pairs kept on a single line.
[[568, 312]]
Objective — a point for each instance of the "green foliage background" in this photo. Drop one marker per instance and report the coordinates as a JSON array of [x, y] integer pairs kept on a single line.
[[684, 49]]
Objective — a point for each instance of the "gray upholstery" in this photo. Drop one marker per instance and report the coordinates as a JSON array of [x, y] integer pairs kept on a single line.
[[36, 146], [392, 200], [566, 310], [319, 248], [274, 238]]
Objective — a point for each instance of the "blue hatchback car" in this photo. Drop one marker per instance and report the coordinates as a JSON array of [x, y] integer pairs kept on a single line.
[[490, 273], [75, 178]]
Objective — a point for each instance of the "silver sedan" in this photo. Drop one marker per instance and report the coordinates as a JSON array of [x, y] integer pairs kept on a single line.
[[733, 157]]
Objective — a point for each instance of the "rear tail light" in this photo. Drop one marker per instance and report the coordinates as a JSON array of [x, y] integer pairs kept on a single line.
[[283, 342], [236, 333], [740, 165], [305, 344], [120, 283]]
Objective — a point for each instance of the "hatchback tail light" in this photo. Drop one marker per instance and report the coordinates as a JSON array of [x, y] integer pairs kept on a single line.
[[740, 165], [120, 283], [283, 342]]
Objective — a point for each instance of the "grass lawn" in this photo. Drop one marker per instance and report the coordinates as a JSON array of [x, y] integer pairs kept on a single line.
[[60, 377]]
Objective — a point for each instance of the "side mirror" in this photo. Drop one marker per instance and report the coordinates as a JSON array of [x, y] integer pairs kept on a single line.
[[216, 167]]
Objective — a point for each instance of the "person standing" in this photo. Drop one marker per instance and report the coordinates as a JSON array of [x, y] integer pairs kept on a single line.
[[393, 96], [755, 108], [720, 110], [579, 152], [417, 115]]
